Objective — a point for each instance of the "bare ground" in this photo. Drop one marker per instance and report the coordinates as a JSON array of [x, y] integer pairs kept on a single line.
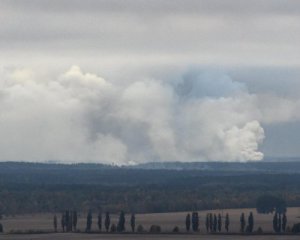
[[76, 236]]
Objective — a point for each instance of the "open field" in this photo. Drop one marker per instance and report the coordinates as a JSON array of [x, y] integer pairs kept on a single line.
[[72, 236], [167, 221]]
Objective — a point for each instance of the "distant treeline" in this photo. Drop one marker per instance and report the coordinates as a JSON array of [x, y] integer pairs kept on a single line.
[[29, 188]]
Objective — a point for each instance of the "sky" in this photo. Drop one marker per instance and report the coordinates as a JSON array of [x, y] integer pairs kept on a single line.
[[128, 82]]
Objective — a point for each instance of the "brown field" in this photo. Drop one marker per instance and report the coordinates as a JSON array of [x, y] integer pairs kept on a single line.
[[167, 221], [73, 236]]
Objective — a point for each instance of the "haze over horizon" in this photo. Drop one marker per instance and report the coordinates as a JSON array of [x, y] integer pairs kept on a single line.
[[138, 81]]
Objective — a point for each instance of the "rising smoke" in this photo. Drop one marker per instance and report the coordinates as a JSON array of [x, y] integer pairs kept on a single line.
[[81, 117]]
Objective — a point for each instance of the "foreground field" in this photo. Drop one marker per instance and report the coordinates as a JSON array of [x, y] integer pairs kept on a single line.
[[167, 221], [70, 236]]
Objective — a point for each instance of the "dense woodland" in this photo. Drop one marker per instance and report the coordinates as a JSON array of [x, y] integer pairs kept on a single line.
[[29, 188]]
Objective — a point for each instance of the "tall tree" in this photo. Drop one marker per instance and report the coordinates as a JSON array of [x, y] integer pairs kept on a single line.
[[99, 221], [284, 221], [219, 222], [107, 221], [74, 220], [63, 221], [67, 224], [89, 221], [242, 222], [251, 222], [211, 222], [215, 224], [132, 222], [71, 221], [275, 222], [195, 221], [188, 222], [121, 223], [227, 222], [207, 222], [279, 223], [55, 223]]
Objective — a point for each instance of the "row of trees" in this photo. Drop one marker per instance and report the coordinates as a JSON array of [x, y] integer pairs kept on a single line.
[[279, 222], [250, 225], [213, 222], [107, 223], [69, 222]]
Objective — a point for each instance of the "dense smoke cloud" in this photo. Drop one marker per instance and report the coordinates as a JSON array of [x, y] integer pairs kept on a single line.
[[81, 117]]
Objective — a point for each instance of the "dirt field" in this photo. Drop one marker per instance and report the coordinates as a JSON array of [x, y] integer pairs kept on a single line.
[[67, 236], [167, 221]]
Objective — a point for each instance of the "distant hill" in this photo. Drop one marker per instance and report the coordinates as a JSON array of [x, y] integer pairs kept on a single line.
[[281, 159], [263, 166], [148, 173]]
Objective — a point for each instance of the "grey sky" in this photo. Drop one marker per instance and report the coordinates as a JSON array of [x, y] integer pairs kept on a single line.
[[149, 32], [253, 43]]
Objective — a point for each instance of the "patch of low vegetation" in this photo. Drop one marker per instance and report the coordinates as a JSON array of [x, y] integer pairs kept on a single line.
[[113, 228], [155, 229], [259, 230], [296, 228], [176, 229], [140, 229]]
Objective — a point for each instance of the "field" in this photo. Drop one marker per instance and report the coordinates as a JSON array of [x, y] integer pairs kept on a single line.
[[167, 221], [60, 236]]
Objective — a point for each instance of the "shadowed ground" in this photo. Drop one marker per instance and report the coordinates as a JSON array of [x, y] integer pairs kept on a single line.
[[71, 236]]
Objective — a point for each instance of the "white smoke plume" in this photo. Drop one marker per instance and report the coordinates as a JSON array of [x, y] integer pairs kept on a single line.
[[81, 117]]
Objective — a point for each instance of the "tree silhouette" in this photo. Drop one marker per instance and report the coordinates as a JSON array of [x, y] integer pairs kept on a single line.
[[74, 220], [219, 222], [63, 221], [89, 221], [207, 222], [188, 222], [215, 224], [275, 222], [211, 222], [99, 222], [279, 223], [71, 221], [55, 223], [227, 222], [121, 223], [250, 222], [67, 221], [242, 222], [132, 222], [107, 221], [284, 221], [195, 221]]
